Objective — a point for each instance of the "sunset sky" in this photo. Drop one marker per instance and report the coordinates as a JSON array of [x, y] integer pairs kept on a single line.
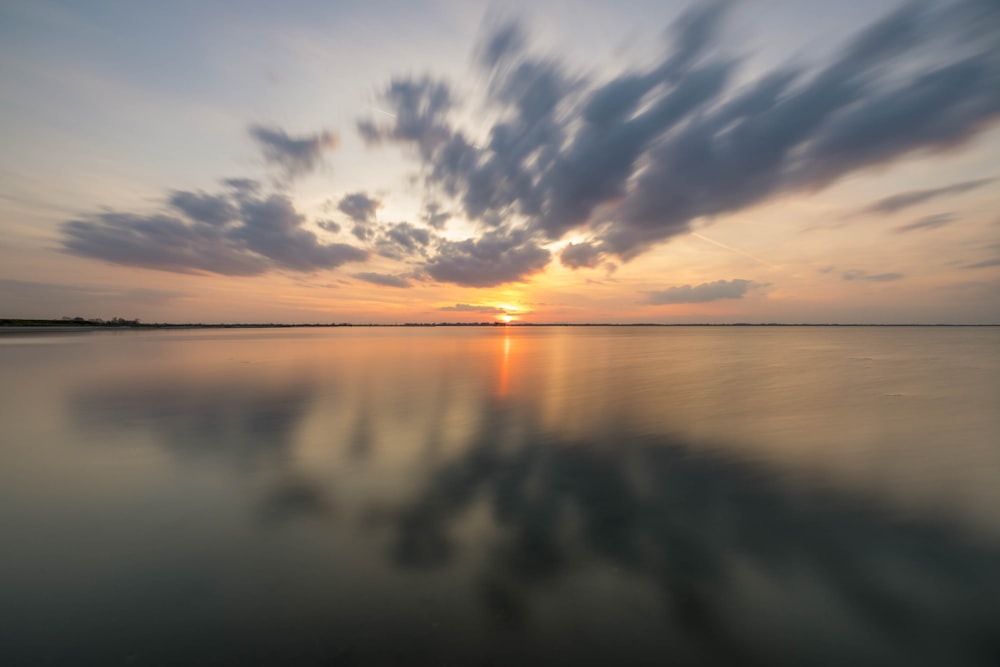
[[553, 161]]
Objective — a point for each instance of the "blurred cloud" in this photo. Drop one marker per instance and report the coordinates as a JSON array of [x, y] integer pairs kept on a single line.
[[471, 308], [264, 233], [211, 209], [703, 293], [581, 255], [401, 240], [360, 208], [626, 159], [433, 216], [296, 155], [927, 222], [905, 200], [633, 159], [858, 274], [384, 279], [497, 257], [985, 264]]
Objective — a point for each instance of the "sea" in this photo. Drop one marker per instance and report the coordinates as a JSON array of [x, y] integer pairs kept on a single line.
[[509, 495]]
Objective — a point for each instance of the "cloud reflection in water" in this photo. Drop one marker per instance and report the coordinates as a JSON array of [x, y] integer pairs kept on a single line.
[[623, 546]]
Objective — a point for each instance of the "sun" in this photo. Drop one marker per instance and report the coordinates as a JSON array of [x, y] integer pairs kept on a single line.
[[506, 318]]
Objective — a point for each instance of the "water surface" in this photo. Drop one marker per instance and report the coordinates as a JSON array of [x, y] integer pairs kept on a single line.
[[501, 496]]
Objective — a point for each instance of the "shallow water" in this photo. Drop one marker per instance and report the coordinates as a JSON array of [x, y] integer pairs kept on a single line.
[[501, 496]]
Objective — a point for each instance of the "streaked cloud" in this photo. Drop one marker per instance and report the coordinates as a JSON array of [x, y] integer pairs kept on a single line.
[[985, 264], [384, 279], [703, 293], [472, 308], [904, 200], [927, 222], [859, 274], [633, 159]]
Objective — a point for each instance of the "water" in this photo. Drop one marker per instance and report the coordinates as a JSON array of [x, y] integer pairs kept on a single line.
[[501, 496]]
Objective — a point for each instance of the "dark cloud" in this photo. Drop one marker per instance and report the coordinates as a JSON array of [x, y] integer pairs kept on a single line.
[[633, 159], [400, 240], [384, 279], [703, 293], [904, 200], [361, 209], [495, 258], [581, 255], [927, 222], [296, 155], [434, 217], [265, 233], [329, 225], [161, 242], [421, 107], [274, 229], [472, 308], [212, 209], [507, 39], [242, 185], [858, 274]]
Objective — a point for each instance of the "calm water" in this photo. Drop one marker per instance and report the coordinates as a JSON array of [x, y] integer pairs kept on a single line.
[[502, 496]]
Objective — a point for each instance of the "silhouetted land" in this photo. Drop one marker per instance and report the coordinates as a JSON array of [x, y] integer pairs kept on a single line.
[[81, 324]]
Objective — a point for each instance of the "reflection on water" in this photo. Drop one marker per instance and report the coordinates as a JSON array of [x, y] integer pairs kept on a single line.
[[484, 497]]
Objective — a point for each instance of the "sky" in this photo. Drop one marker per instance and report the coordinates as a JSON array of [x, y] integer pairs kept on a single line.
[[388, 162]]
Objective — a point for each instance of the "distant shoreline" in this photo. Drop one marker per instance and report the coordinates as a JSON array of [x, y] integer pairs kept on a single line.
[[13, 326]]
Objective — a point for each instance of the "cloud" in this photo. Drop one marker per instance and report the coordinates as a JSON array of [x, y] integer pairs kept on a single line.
[[329, 225], [360, 208], [984, 264], [581, 255], [400, 240], [383, 279], [246, 186], [858, 274], [493, 259], [905, 200], [274, 229], [266, 233], [927, 222], [703, 293], [434, 217], [472, 308], [212, 209], [420, 106], [634, 158], [296, 155]]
